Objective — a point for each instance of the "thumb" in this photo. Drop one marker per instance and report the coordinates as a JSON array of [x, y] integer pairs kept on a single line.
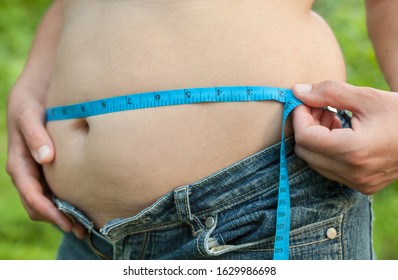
[[36, 137], [337, 94]]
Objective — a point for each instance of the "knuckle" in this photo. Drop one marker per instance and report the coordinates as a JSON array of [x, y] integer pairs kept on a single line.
[[299, 139], [31, 203], [298, 151], [10, 169], [29, 129], [366, 183], [368, 190], [33, 207], [360, 179], [33, 215], [24, 116], [327, 90], [328, 87], [358, 159], [27, 115]]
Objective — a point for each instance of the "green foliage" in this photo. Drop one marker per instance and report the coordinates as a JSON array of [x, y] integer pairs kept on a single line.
[[21, 238], [347, 20], [18, 20]]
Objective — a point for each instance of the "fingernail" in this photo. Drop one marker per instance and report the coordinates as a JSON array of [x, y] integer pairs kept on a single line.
[[303, 88], [43, 152]]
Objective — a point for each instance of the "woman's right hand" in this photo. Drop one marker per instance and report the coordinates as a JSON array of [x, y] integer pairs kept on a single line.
[[30, 146]]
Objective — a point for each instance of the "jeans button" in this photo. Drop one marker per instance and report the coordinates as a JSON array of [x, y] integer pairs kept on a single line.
[[210, 222], [331, 233]]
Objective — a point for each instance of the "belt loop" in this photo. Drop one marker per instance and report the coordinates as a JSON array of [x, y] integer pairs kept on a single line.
[[181, 199]]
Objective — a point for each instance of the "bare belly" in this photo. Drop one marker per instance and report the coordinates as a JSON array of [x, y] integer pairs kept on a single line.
[[115, 165]]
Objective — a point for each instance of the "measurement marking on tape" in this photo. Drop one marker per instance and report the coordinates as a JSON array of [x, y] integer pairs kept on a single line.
[[203, 95]]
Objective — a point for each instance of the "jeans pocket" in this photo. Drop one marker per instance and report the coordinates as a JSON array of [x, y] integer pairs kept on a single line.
[[250, 240]]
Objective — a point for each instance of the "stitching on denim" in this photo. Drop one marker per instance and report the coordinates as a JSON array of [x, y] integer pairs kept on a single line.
[[179, 215], [330, 222], [130, 224], [314, 242], [191, 226], [295, 233], [186, 204], [345, 209], [291, 247], [188, 211], [222, 239], [94, 248], [119, 236], [234, 201], [247, 195], [198, 248], [141, 221], [199, 225], [144, 245], [206, 252], [133, 220], [77, 216], [202, 239]]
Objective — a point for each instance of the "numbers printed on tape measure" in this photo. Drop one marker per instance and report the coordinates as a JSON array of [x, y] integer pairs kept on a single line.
[[201, 95], [167, 98]]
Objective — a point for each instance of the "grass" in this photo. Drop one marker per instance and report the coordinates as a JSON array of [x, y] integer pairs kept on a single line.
[[21, 238]]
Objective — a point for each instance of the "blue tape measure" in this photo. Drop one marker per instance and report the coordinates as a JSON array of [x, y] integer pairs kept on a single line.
[[201, 95]]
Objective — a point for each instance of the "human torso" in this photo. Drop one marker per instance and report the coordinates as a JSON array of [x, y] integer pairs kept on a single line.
[[115, 165]]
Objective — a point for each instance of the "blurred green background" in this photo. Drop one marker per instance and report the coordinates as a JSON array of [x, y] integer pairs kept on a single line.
[[21, 238]]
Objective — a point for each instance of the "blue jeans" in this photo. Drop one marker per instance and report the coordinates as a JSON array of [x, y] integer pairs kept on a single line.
[[231, 215]]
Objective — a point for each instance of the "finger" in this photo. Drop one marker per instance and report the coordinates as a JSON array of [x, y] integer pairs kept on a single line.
[[327, 118], [321, 160], [330, 175], [336, 123], [319, 138], [39, 207], [337, 94], [364, 181], [79, 231], [362, 188], [316, 115], [317, 163], [36, 136], [302, 116]]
